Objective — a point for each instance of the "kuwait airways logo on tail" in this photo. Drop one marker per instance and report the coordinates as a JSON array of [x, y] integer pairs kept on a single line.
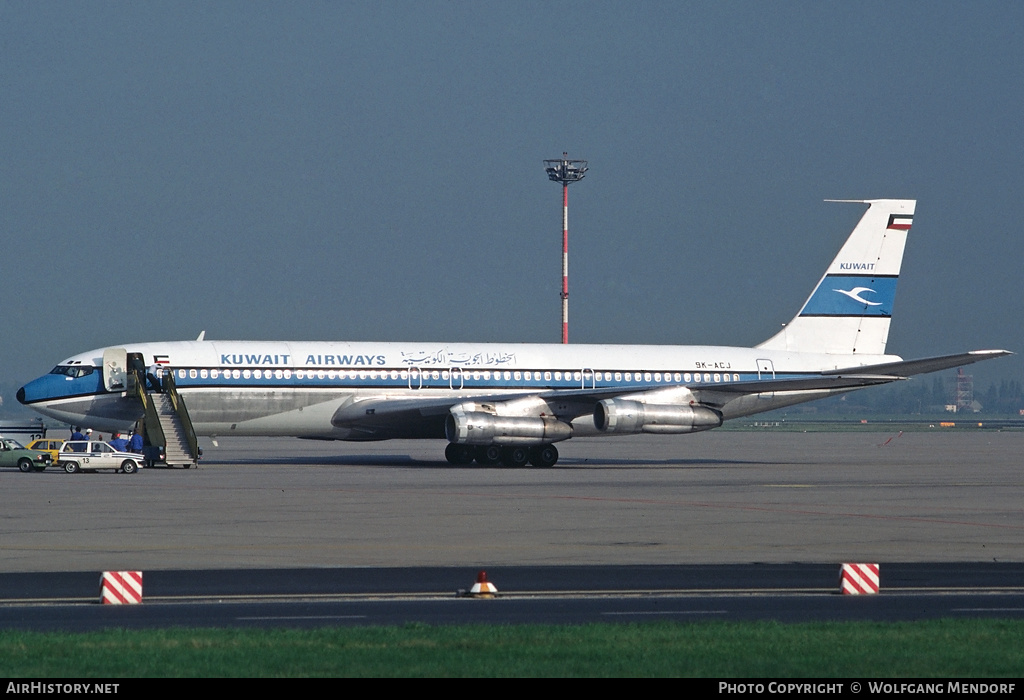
[[855, 294], [852, 295]]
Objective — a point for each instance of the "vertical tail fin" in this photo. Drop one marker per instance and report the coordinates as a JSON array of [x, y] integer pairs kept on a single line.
[[848, 313]]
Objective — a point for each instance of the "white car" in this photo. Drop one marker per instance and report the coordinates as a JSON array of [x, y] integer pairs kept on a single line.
[[83, 455]]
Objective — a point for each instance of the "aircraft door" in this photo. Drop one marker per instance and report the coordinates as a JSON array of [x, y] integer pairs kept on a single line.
[[115, 369], [136, 370], [765, 370], [588, 381]]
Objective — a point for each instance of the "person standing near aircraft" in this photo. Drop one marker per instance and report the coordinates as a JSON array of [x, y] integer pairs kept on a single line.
[[119, 443], [153, 376], [76, 435], [135, 443]]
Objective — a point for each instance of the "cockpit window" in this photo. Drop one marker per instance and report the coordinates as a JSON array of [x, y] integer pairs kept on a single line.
[[73, 370]]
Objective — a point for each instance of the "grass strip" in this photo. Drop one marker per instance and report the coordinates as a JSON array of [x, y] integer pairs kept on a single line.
[[929, 649]]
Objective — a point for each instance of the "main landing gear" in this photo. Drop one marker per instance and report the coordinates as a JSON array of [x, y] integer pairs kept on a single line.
[[510, 456]]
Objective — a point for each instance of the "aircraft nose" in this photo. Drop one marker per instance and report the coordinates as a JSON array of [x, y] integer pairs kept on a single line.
[[21, 395]]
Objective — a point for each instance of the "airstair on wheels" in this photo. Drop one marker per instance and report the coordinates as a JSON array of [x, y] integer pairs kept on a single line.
[[167, 421]]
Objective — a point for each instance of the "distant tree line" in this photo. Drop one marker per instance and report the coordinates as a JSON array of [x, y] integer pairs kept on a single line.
[[1008, 397], [921, 396]]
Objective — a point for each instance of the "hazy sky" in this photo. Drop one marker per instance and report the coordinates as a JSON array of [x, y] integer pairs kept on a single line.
[[373, 170]]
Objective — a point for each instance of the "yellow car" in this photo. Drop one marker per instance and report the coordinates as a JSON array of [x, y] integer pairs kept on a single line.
[[47, 445]]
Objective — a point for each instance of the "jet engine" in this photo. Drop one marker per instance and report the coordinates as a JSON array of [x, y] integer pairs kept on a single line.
[[478, 428], [623, 416]]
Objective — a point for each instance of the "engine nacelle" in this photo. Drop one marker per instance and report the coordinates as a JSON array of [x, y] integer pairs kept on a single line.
[[623, 416], [477, 428]]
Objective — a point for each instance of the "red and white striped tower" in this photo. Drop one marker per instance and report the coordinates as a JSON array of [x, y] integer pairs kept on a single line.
[[565, 171]]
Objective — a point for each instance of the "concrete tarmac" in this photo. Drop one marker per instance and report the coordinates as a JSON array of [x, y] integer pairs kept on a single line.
[[720, 497]]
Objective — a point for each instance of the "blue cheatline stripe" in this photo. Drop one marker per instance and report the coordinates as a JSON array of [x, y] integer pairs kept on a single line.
[[206, 377], [852, 295]]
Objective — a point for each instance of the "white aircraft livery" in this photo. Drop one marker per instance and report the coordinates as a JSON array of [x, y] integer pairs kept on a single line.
[[512, 402]]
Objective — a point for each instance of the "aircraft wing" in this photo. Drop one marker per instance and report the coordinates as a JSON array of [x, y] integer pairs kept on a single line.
[[804, 383], [385, 416]]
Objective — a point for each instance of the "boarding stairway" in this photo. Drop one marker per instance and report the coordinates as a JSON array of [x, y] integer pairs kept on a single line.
[[167, 421]]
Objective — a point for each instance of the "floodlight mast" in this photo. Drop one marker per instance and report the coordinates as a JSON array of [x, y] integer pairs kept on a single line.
[[567, 172]]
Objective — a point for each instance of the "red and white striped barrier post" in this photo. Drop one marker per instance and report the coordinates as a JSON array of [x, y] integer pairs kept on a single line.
[[858, 579], [121, 587]]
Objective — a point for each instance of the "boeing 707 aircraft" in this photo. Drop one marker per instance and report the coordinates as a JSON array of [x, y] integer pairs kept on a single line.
[[504, 402]]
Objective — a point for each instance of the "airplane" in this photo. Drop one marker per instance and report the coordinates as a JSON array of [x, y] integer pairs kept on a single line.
[[505, 402]]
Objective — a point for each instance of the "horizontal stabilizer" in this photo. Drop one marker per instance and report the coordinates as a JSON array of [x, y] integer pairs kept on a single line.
[[929, 364]]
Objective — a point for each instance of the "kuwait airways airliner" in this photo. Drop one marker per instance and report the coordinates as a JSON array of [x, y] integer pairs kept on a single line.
[[512, 402]]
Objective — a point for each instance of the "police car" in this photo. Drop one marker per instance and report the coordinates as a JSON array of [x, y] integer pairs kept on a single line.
[[89, 455]]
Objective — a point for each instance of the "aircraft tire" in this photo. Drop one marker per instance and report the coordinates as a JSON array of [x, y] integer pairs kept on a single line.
[[25, 465], [488, 455], [543, 456], [515, 456], [459, 454]]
